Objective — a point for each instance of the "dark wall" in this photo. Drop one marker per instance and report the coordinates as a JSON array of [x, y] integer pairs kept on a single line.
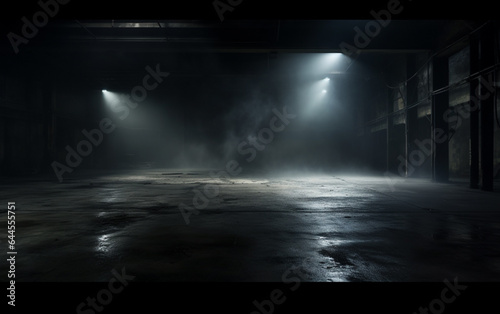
[[384, 120], [21, 126]]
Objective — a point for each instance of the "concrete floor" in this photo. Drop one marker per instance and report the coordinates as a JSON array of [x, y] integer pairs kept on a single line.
[[332, 227]]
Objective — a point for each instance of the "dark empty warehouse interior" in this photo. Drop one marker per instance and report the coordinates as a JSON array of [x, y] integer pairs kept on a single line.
[[249, 151]]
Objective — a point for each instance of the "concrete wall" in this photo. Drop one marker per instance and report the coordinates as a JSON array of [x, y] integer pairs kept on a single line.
[[394, 70], [459, 149], [459, 69]]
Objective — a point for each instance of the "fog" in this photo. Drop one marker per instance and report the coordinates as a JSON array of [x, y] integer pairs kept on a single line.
[[293, 113]]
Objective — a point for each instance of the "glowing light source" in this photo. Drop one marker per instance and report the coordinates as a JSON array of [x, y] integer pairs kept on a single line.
[[326, 79], [330, 62], [324, 91], [111, 99]]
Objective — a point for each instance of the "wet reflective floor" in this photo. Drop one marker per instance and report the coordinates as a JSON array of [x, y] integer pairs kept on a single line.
[[323, 227]]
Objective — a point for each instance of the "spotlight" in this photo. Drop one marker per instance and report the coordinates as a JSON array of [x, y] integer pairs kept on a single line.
[[104, 91], [324, 91], [326, 79]]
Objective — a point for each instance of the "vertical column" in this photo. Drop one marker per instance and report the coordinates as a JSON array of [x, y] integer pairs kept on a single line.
[[440, 103], [486, 59], [411, 114], [390, 162], [474, 115]]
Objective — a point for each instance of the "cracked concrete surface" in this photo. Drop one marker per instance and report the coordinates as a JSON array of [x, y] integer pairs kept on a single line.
[[330, 227]]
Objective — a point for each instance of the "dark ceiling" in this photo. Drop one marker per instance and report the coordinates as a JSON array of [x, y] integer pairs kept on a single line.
[[114, 50]]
